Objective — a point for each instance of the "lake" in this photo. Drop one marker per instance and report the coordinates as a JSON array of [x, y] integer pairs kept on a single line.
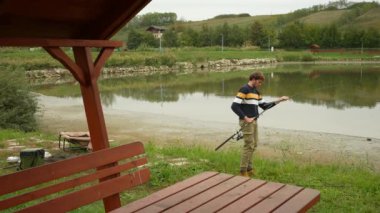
[[332, 98]]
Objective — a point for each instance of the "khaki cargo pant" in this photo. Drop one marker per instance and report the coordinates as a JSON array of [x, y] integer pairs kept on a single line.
[[250, 136]]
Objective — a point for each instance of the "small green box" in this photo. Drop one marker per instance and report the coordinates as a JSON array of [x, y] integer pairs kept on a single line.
[[31, 157]]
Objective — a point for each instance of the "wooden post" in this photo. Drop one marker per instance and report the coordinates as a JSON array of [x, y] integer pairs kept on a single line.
[[87, 74]]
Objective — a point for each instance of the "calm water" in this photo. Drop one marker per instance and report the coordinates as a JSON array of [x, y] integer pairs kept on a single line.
[[343, 99]]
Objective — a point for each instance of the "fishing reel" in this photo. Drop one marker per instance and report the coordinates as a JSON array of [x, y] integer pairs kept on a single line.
[[239, 135]]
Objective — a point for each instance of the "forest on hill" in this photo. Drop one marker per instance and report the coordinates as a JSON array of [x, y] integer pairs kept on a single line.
[[339, 24]]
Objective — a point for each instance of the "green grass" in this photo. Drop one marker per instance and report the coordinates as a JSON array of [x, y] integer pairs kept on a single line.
[[344, 187]]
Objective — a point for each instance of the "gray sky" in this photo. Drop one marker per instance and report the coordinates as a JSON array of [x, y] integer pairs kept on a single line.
[[194, 10]]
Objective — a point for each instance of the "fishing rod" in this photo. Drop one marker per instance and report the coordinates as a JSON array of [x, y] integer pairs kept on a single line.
[[239, 134]]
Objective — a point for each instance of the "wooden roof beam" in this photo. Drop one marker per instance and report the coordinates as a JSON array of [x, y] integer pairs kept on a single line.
[[30, 42]]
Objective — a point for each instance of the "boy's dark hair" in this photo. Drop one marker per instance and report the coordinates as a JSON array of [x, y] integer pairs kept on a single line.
[[257, 76]]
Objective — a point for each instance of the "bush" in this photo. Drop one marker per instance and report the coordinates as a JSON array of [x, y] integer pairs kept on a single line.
[[168, 60], [17, 105], [307, 57], [153, 61]]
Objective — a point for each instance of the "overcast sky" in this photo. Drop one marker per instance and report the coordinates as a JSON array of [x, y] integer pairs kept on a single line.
[[194, 10]]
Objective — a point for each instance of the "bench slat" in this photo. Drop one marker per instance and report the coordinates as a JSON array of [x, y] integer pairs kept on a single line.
[[276, 199], [210, 194], [45, 173], [253, 197], [230, 196], [164, 193], [297, 204], [93, 193], [23, 198], [186, 194]]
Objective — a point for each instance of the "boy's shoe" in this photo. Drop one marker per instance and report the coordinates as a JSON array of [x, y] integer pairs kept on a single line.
[[244, 174], [251, 172]]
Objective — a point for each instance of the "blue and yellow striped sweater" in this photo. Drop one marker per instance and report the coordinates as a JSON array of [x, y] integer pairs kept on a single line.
[[247, 102]]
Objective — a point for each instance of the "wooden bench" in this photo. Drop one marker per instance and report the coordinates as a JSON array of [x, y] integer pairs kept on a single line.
[[206, 192], [117, 169]]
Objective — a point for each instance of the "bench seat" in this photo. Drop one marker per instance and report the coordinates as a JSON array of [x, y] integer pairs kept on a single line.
[[75, 182]]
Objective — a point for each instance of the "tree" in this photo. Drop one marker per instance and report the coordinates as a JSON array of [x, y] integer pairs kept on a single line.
[[17, 105], [205, 36], [330, 37], [170, 38], [353, 38], [257, 34], [159, 19], [137, 38], [292, 36], [371, 38], [189, 38], [237, 39], [134, 39]]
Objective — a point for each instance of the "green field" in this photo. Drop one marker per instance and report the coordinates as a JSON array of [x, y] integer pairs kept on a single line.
[[39, 59]]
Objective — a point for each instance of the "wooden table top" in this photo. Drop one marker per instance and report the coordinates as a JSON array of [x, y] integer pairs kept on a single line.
[[219, 192]]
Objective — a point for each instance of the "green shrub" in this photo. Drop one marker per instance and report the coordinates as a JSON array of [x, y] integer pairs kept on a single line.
[[168, 60], [290, 57], [152, 61], [17, 105], [307, 57]]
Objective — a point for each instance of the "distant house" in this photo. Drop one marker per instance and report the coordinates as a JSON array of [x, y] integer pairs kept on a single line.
[[156, 31]]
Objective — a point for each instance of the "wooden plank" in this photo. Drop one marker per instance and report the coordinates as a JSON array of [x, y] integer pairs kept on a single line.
[[41, 42], [253, 198], [23, 198], [230, 196], [59, 55], [186, 194], [276, 199], [300, 202], [104, 54], [208, 195], [31, 177], [115, 25], [164, 193], [91, 194]]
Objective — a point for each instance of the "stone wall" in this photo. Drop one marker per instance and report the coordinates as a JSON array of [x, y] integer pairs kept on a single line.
[[179, 66]]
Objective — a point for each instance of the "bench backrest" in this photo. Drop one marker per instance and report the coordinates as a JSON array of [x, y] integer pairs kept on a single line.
[[117, 169]]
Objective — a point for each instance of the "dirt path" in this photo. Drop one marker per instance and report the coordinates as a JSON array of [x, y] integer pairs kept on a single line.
[[163, 130]]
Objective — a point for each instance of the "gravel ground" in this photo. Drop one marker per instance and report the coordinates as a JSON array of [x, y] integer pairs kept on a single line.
[[276, 143]]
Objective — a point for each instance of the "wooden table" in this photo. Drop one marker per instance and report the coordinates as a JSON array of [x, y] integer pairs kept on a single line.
[[212, 191]]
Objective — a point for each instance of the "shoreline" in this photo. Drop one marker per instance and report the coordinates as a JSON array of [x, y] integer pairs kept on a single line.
[[170, 130]]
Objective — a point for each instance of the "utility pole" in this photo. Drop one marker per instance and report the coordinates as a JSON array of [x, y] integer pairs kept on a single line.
[[160, 40], [269, 43], [222, 41]]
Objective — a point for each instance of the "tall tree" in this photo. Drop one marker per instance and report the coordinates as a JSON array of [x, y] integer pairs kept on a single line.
[[293, 36], [257, 34], [170, 38]]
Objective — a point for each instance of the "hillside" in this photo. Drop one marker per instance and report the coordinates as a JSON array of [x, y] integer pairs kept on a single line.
[[240, 21], [368, 20], [322, 18]]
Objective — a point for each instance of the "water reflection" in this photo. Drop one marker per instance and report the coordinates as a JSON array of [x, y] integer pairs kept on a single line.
[[337, 88], [327, 98]]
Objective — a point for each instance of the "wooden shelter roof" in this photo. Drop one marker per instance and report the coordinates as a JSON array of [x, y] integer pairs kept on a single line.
[[66, 19]]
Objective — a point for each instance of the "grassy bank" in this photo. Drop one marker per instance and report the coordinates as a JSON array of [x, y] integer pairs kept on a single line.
[[344, 188], [39, 59]]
